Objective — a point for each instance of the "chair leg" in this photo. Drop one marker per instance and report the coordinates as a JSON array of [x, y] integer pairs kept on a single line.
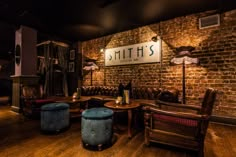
[[100, 147], [201, 149], [201, 153], [147, 141]]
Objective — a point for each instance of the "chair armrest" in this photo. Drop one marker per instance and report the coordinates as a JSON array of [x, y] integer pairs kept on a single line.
[[177, 105], [192, 116]]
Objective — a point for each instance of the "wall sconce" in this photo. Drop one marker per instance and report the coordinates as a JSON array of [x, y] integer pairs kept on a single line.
[[102, 50], [183, 56], [155, 38]]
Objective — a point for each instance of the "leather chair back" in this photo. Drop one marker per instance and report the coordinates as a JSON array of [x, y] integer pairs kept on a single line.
[[32, 91], [208, 101]]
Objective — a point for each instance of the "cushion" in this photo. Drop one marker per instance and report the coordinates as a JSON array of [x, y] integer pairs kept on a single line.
[[43, 101], [169, 96], [171, 119], [54, 106], [97, 113]]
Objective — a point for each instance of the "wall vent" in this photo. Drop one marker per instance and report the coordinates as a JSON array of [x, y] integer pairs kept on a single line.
[[209, 21]]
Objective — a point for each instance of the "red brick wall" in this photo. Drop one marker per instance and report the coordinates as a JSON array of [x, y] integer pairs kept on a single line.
[[215, 47]]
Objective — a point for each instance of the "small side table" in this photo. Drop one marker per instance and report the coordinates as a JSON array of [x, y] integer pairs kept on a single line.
[[75, 105], [126, 107]]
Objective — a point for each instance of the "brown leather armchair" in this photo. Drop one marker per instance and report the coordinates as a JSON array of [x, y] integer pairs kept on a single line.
[[32, 99], [179, 125]]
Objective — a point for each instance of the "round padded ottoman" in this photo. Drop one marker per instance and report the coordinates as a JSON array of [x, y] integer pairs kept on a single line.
[[54, 117], [96, 127]]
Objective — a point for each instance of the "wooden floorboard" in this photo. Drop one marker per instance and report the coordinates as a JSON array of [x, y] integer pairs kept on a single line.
[[21, 137]]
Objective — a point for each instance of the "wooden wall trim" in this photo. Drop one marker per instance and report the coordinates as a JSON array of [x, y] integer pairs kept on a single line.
[[223, 119]]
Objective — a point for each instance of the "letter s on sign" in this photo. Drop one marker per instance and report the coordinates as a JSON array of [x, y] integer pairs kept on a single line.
[[151, 50]]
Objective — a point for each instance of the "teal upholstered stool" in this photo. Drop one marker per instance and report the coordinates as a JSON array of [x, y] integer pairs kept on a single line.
[[96, 127], [54, 117]]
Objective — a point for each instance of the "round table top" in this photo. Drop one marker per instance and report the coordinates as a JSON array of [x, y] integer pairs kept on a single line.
[[113, 105]]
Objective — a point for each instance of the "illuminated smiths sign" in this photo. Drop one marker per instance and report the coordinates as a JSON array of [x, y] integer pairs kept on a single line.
[[148, 52]]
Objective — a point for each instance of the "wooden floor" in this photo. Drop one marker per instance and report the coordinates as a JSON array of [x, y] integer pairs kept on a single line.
[[21, 137]]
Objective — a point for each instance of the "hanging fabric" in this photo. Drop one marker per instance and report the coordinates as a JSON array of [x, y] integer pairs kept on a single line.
[[62, 61], [54, 55]]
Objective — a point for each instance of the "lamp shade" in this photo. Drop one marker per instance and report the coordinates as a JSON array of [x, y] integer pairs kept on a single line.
[[185, 59], [90, 66], [183, 55]]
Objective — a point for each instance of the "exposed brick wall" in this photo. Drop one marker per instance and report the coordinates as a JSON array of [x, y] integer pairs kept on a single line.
[[215, 47]]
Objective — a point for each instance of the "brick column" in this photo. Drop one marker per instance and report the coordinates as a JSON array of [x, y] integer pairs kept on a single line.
[[25, 62]]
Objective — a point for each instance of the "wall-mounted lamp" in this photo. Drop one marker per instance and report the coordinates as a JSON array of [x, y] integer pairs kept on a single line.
[[102, 50], [183, 56], [155, 38]]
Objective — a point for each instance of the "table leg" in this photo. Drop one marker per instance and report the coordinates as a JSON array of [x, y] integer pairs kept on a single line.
[[129, 123], [86, 105]]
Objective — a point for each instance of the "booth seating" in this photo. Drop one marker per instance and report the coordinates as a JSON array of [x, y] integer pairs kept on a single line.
[[109, 92], [99, 90], [54, 117], [96, 127], [101, 94], [150, 93]]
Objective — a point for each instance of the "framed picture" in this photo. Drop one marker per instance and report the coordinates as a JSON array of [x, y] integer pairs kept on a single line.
[[71, 67], [72, 54]]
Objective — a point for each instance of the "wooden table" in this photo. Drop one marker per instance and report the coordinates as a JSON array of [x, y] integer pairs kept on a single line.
[[75, 105], [126, 107]]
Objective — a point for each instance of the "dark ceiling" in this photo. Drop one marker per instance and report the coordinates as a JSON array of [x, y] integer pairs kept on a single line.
[[80, 20]]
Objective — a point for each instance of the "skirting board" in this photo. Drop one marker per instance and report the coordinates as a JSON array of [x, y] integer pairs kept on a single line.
[[223, 119]]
